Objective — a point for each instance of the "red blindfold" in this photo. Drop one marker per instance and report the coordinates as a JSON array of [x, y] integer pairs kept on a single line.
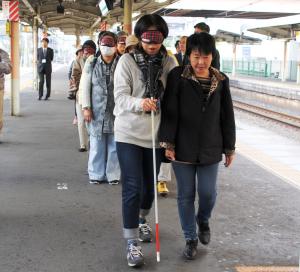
[[152, 36], [107, 41]]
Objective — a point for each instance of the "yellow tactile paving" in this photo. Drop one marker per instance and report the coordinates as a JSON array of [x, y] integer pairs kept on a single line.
[[283, 171], [267, 269]]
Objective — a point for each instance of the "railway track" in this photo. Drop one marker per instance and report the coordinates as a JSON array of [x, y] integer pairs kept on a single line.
[[273, 115]]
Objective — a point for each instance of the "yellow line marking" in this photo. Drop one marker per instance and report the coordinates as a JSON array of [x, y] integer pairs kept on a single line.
[[267, 269], [279, 169]]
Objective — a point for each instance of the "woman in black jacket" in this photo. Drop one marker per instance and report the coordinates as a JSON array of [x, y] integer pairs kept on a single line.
[[197, 127]]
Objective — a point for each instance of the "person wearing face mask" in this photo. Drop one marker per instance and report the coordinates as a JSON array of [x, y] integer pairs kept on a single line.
[[98, 104], [88, 49], [133, 134]]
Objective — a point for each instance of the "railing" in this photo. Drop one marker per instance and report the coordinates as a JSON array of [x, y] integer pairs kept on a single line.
[[261, 68]]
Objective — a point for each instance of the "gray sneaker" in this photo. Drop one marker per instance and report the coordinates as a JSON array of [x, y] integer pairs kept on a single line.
[[135, 256], [145, 233]]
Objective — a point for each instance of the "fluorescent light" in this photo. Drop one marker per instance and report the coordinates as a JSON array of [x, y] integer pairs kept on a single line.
[[160, 1]]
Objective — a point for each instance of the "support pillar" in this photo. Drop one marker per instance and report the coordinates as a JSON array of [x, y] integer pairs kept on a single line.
[[283, 66], [77, 33], [91, 34], [298, 73], [233, 73], [35, 47], [15, 73], [127, 16]]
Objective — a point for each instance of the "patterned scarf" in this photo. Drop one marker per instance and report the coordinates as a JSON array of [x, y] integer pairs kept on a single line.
[[142, 59]]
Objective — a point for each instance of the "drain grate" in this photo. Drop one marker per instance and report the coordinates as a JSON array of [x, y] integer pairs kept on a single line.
[[267, 269]]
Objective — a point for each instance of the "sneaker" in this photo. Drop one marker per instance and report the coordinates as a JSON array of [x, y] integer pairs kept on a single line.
[[145, 233], [94, 181], [135, 256], [204, 233], [113, 182], [190, 250], [162, 188]]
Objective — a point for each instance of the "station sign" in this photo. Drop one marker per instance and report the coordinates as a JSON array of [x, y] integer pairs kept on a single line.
[[5, 10]]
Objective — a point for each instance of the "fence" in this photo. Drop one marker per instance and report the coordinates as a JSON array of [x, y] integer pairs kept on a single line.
[[261, 68]]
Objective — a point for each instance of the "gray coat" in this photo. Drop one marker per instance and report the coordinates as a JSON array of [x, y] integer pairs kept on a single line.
[[99, 96], [5, 67]]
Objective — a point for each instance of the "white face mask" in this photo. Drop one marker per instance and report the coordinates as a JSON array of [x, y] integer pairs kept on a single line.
[[107, 51]]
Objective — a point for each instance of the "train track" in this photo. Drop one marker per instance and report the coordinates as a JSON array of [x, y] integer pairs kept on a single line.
[[273, 115]]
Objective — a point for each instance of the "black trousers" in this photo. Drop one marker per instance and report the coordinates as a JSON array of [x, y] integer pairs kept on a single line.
[[41, 84]]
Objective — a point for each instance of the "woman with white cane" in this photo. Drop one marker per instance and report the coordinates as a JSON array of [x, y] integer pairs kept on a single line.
[[134, 131]]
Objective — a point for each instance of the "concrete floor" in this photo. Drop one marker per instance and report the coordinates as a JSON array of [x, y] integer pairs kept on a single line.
[[79, 229]]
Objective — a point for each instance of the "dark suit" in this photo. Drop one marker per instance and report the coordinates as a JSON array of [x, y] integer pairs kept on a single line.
[[44, 67], [182, 60]]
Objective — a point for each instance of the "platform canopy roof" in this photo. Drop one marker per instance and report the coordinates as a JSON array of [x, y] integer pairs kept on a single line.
[[280, 28], [226, 36], [81, 14], [242, 9]]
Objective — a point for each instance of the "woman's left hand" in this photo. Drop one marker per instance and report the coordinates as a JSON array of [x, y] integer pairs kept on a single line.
[[228, 160]]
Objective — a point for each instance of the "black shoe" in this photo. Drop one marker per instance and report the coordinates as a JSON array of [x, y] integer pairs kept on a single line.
[[39, 98], [82, 149], [190, 250], [46, 98], [204, 233], [113, 182]]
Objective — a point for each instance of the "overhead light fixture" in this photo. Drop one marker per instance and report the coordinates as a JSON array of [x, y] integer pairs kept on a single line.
[[136, 14], [160, 1]]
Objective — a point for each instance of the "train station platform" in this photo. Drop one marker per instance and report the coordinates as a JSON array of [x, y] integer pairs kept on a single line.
[[53, 220], [289, 90]]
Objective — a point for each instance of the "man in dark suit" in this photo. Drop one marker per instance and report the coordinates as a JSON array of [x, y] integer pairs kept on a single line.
[[44, 67], [182, 60]]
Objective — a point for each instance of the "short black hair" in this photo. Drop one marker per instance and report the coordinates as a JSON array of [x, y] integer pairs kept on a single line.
[[151, 20], [177, 43], [203, 26], [46, 40], [202, 42], [107, 33]]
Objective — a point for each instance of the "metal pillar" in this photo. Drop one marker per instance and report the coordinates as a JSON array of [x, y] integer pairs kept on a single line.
[[233, 60], [77, 33], [15, 73], [283, 66], [298, 73], [127, 16], [35, 47]]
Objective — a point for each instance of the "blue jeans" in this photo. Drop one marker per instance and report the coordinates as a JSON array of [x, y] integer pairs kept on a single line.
[[103, 160], [136, 164], [186, 190]]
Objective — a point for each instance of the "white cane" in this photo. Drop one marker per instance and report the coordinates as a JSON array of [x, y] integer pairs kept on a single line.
[[155, 191], [151, 89]]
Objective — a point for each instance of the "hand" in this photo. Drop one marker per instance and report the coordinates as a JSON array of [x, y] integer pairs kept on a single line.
[[149, 104], [170, 154], [88, 115], [228, 160]]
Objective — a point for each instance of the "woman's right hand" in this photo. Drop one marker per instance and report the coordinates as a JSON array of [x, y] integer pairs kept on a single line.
[[170, 154], [149, 104], [88, 115]]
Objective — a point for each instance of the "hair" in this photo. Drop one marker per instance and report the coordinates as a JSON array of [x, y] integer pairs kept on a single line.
[[203, 26], [176, 44], [121, 34], [45, 39], [107, 33], [151, 20], [202, 42]]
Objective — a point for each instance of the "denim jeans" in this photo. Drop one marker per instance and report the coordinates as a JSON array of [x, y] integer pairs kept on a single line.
[[136, 164], [103, 160], [186, 189]]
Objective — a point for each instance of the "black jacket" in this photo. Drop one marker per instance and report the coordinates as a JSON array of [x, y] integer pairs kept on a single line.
[[182, 60], [200, 131], [44, 67]]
